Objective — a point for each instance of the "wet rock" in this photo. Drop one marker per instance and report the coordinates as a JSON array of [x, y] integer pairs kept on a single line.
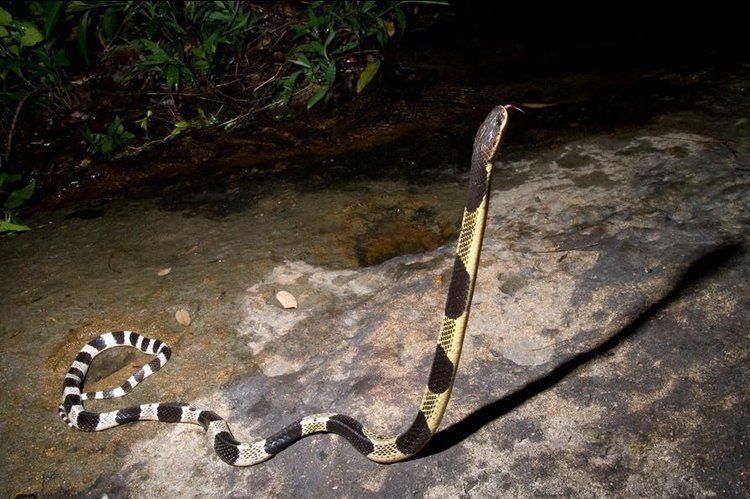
[[582, 373]]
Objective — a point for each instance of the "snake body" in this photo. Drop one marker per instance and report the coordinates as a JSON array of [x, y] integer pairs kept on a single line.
[[382, 449]]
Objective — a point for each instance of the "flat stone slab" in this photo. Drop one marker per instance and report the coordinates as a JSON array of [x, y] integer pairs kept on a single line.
[[607, 351]]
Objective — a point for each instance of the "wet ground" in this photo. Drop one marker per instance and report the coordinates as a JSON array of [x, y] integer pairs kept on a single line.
[[608, 350]]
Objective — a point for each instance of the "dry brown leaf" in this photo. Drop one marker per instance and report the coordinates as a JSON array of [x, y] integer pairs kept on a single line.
[[164, 272], [183, 317], [390, 28], [286, 299]]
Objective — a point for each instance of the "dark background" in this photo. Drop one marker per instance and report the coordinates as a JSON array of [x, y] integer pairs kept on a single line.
[[605, 32]]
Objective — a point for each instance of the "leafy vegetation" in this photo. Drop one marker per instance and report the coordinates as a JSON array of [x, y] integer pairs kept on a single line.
[[333, 31], [177, 43], [178, 46], [160, 59], [29, 57], [13, 194], [106, 144]]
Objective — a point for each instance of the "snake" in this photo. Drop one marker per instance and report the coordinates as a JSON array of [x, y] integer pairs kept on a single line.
[[376, 447]]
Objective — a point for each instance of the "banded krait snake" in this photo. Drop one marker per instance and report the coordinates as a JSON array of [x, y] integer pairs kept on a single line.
[[382, 449]]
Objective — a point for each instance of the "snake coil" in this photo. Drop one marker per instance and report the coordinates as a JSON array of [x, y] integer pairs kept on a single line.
[[382, 449]]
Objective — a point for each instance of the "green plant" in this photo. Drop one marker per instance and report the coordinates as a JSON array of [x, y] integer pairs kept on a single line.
[[29, 57], [332, 34], [13, 199], [145, 121], [176, 40], [60, 51], [110, 142], [177, 45], [203, 120]]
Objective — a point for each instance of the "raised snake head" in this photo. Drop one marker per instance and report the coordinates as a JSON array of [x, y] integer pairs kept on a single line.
[[489, 136]]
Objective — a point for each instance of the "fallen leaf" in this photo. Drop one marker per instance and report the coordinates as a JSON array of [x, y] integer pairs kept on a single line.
[[286, 299], [183, 317], [164, 272], [390, 28]]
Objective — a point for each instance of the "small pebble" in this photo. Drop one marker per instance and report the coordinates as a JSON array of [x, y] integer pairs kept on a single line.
[[183, 317], [286, 299]]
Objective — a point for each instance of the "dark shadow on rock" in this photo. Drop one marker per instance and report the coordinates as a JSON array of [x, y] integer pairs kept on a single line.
[[700, 269]]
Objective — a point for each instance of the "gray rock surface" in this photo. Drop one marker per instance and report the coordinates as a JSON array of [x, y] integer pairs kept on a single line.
[[607, 352]]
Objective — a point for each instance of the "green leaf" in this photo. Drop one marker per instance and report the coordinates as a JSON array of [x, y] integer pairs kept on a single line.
[[109, 22], [314, 47], [330, 38], [179, 127], [367, 75], [20, 196], [8, 178], [5, 17], [173, 76], [157, 55], [35, 8], [302, 60], [186, 75], [52, 10], [287, 87], [16, 68], [345, 48], [116, 126], [203, 55], [367, 6], [8, 226], [106, 144], [31, 35], [319, 94], [191, 7], [82, 37], [380, 37], [292, 78], [61, 59], [143, 122], [331, 74], [400, 17], [200, 62], [318, 48], [182, 125], [356, 26]]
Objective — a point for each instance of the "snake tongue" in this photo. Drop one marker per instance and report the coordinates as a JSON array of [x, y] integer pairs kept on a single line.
[[511, 106]]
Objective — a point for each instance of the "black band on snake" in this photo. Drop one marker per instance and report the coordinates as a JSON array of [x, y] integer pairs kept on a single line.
[[382, 449]]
